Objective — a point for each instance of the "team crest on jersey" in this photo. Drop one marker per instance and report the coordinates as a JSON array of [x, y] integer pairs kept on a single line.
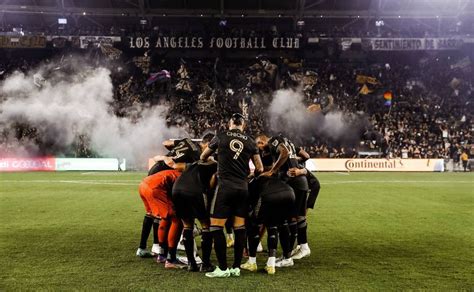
[[275, 143]]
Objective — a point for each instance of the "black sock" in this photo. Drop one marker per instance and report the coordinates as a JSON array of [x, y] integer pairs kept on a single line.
[[164, 249], [171, 254], [284, 233], [240, 237], [254, 240], [302, 227], [293, 233], [272, 241], [220, 245], [188, 239], [228, 226], [156, 224], [146, 227], [206, 246]]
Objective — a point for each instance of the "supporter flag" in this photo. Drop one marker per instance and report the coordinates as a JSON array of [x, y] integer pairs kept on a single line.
[[315, 107], [362, 79], [388, 98], [364, 90], [161, 76]]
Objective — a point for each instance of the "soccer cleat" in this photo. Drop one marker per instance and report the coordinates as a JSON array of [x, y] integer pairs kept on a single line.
[[155, 249], [270, 270], [174, 265], [230, 242], [235, 272], [252, 267], [160, 259], [193, 268], [295, 250], [302, 253], [143, 253], [282, 263], [206, 268], [184, 259], [218, 273]]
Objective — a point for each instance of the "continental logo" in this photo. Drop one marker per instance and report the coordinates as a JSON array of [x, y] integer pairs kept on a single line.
[[373, 164]]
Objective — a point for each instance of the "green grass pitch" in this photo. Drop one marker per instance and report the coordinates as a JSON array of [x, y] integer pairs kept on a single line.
[[369, 231]]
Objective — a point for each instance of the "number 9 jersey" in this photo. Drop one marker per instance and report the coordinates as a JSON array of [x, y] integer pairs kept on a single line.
[[234, 150]]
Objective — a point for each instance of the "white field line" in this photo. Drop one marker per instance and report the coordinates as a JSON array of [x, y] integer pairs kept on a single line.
[[111, 173], [136, 182], [341, 173], [83, 182]]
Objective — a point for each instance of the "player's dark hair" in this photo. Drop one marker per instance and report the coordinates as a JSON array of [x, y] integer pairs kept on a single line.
[[207, 137], [237, 119]]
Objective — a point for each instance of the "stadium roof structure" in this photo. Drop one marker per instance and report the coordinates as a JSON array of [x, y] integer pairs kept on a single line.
[[297, 9]]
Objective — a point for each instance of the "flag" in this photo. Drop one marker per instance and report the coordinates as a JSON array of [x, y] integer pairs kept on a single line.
[[388, 98], [362, 79], [161, 76], [365, 90]]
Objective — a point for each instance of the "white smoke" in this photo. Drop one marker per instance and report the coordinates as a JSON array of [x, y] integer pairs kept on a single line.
[[289, 115], [66, 105]]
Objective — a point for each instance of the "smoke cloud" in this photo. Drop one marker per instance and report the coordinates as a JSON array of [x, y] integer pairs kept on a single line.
[[62, 104], [289, 115]]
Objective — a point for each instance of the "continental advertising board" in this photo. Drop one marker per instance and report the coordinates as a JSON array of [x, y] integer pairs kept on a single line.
[[358, 164]]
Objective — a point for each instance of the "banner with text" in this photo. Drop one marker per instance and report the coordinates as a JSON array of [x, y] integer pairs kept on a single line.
[[27, 164], [61, 164], [414, 44], [356, 164], [198, 42], [22, 41]]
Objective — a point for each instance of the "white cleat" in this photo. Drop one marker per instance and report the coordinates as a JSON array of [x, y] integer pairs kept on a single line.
[[155, 248], [143, 253], [283, 263], [184, 260], [302, 253], [295, 250]]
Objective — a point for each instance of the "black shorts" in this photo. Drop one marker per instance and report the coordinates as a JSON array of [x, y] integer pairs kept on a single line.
[[228, 202], [190, 206], [274, 210], [299, 208]]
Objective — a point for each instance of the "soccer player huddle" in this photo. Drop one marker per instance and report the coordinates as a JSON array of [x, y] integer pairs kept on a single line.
[[212, 182]]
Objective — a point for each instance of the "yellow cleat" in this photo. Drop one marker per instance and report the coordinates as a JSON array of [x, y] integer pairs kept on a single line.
[[230, 242], [249, 267], [270, 270]]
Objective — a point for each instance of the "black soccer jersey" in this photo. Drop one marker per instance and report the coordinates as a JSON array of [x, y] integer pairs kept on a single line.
[[184, 150], [195, 178], [234, 150], [292, 160]]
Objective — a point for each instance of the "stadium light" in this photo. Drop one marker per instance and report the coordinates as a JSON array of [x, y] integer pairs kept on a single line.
[[62, 20], [84, 13]]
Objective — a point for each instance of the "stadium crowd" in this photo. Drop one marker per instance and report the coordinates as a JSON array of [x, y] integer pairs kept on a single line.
[[431, 115]]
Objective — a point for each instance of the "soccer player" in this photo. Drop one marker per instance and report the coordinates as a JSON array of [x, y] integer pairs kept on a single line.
[[155, 191], [287, 167], [184, 150], [191, 194], [234, 151], [269, 198]]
